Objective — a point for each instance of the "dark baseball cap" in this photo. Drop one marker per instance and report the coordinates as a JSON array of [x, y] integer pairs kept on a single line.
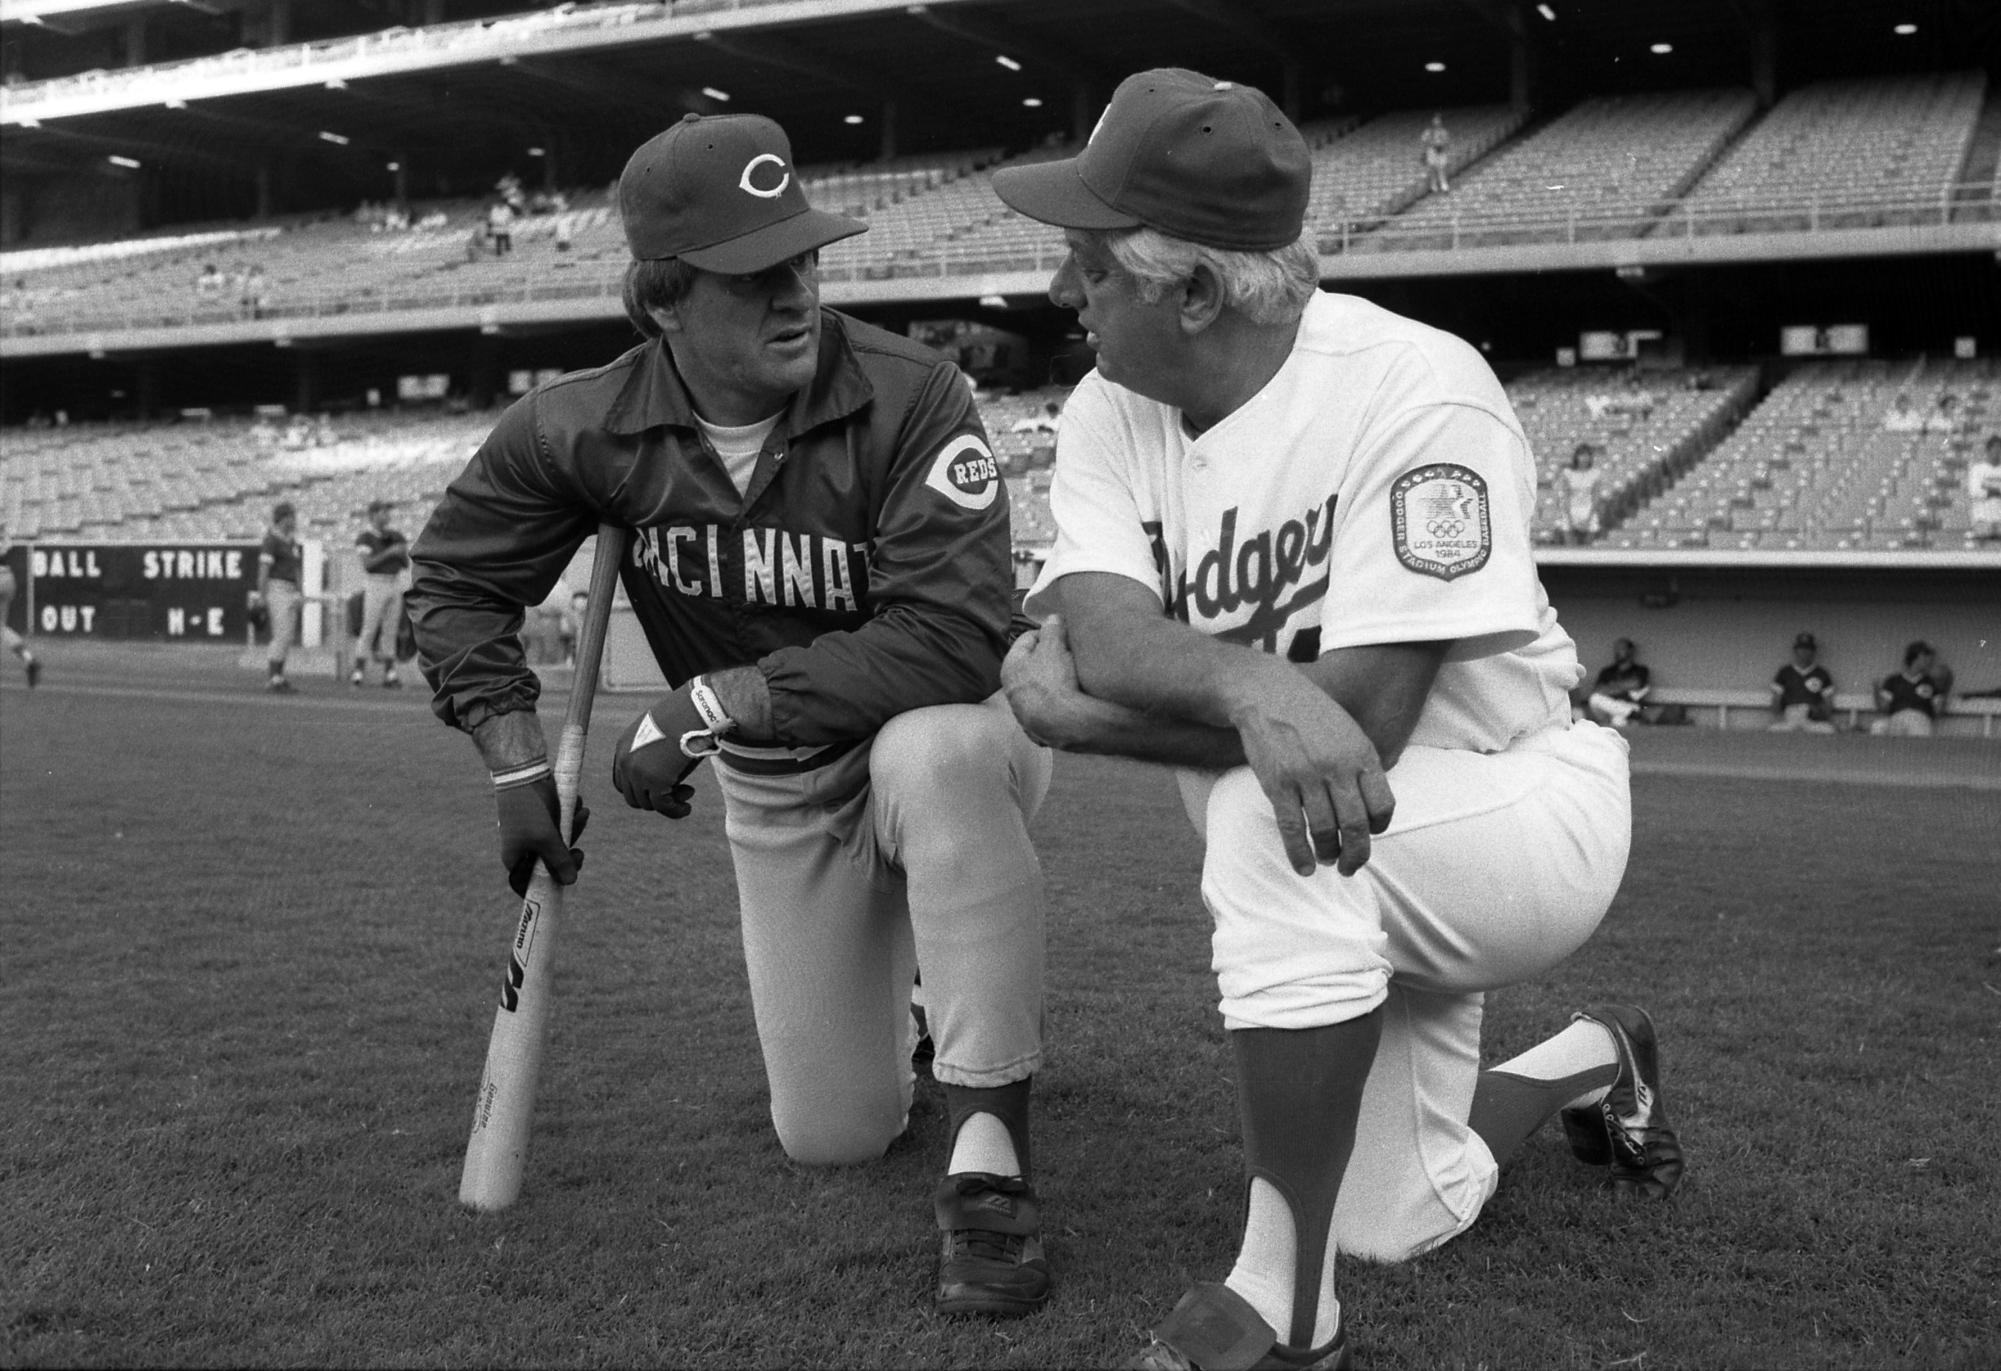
[[720, 193], [377, 506], [1804, 639], [1213, 162], [282, 511]]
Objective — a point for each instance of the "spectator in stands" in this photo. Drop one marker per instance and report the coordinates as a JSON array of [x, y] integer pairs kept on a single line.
[[1434, 141], [1902, 416], [1983, 488], [384, 554], [264, 433], [511, 194], [1048, 421], [13, 641], [324, 433], [1912, 699], [209, 283], [500, 227], [1803, 691], [256, 292], [1945, 416], [278, 589], [476, 242], [1578, 484], [298, 434], [22, 305], [1619, 694], [566, 229]]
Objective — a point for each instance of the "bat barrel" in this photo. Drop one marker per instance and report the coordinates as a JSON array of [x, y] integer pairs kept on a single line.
[[497, 1149]]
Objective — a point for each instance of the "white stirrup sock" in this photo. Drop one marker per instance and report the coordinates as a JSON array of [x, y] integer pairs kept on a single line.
[[1264, 1270], [1584, 1046]]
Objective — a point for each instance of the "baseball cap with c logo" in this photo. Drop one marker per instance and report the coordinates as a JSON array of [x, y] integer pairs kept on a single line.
[[720, 193]]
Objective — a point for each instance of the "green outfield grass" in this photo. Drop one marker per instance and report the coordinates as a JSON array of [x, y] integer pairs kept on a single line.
[[251, 951]]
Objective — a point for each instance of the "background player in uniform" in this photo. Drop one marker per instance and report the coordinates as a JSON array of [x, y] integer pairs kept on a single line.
[[385, 556], [1912, 699], [13, 641], [278, 589], [821, 566], [1332, 506], [1803, 691]]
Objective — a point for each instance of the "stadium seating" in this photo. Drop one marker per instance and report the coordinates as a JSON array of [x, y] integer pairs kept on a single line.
[[1364, 175], [1602, 169], [217, 481], [1814, 467], [1845, 154], [1649, 427], [1835, 154]]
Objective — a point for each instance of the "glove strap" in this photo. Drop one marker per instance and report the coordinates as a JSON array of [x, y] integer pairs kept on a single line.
[[526, 774]]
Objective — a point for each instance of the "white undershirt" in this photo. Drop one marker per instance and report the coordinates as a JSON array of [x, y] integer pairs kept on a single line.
[[738, 446]]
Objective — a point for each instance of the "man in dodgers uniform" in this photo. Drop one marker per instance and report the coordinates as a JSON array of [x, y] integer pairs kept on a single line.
[[1293, 559], [820, 561]]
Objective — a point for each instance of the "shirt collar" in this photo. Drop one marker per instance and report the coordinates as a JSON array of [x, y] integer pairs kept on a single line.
[[654, 394]]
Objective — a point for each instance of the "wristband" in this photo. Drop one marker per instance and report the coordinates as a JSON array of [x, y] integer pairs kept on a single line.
[[526, 774], [714, 717]]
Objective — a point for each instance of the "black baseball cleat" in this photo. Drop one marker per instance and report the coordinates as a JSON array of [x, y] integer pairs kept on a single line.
[[990, 1261], [1214, 1328], [34, 669], [1629, 1128], [355, 678], [280, 686]]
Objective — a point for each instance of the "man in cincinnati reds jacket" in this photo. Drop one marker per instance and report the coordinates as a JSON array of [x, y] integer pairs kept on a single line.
[[820, 560]]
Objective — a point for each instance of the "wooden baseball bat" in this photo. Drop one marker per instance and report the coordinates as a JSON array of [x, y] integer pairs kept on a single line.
[[497, 1151]]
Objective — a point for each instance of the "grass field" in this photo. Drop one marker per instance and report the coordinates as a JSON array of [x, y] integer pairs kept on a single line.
[[252, 948]]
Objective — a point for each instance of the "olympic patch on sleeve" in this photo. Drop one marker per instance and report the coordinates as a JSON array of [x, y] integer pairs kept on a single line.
[[1438, 519], [965, 472]]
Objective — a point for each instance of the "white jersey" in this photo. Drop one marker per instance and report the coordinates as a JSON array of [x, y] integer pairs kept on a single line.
[[1377, 490]]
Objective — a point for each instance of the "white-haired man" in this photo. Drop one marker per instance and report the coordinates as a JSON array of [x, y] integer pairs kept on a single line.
[[1293, 561]]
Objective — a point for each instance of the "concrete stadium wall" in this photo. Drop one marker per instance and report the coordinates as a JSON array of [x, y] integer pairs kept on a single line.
[[1730, 628]]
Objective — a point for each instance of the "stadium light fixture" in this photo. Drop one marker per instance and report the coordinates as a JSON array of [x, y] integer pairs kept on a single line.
[[337, 139], [130, 163], [1032, 102], [392, 166], [1661, 49], [335, 83], [1008, 62], [1434, 67], [1905, 30], [535, 152], [851, 119], [715, 94], [1546, 12]]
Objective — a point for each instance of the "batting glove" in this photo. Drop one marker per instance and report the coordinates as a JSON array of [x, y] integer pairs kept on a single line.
[[648, 766], [531, 828]]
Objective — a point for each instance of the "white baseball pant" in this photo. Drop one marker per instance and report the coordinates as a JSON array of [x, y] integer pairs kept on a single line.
[[910, 850], [1496, 867]]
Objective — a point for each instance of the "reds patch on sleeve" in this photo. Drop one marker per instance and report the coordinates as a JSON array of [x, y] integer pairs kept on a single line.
[[965, 472], [1438, 518]]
